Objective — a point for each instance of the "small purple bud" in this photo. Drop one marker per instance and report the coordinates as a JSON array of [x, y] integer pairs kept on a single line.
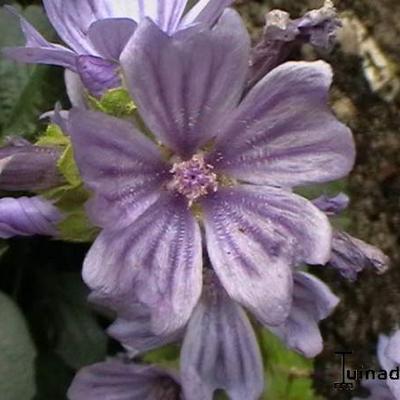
[[332, 206], [98, 75], [350, 256], [25, 167]]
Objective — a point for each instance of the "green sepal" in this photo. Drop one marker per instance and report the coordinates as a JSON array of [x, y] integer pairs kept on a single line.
[[53, 136], [71, 197], [288, 374], [115, 102]]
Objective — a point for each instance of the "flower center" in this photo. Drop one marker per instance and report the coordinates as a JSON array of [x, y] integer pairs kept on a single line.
[[193, 178]]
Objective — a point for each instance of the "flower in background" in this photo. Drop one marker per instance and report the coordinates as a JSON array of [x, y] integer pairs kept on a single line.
[[218, 161], [97, 31], [121, 379], [389, 359]]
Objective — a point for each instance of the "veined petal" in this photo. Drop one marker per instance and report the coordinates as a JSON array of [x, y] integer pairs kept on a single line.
[[254, 236], [332, 205], [27, 216], [120, 380], [312, 302], [220, 350], [158, 257], [117, 162], [132, 327], [110, 36], [37, 49], [283, 132], [185, 84], [205, 12], [166, 14]]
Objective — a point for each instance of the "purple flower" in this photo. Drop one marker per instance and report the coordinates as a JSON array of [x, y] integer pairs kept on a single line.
[[24, 166], [119, 379], [219, 162], [26, 216], [389, 359], [282, 34], [97, 31]]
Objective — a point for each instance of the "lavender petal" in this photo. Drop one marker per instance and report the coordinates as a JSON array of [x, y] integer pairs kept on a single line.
[[283, 132], [312, 302], [254, 235], [220, 350], [37, 49], [120, 165], [158, 257], [98, 75], [183, 84], [110, 36], [205, 12]]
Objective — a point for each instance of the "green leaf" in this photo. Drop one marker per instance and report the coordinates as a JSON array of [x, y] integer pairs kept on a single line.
[[115, 102], [17, 354], [288, 374], [53, 136], [26, 91]]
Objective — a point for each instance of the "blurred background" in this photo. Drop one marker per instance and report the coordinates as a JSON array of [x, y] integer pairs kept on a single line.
[[47, 331]]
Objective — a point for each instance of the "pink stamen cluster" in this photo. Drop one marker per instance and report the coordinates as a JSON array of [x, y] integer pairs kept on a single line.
[[193, 178]]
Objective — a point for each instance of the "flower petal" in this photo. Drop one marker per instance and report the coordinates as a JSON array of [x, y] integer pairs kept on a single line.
[[206, 12], [220, 351], [117, 162], [254, 236], [98, 75], [312, 302], [121, 380], [27, 216], [75, 89], [132, 328], [184, 85], [110, 36], [37, 49], [158, 257], [283, 132], [389, 358]]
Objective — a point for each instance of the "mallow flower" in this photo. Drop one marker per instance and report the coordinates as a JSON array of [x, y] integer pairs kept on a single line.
[[96, 32], [214, 162], [389, 359]]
